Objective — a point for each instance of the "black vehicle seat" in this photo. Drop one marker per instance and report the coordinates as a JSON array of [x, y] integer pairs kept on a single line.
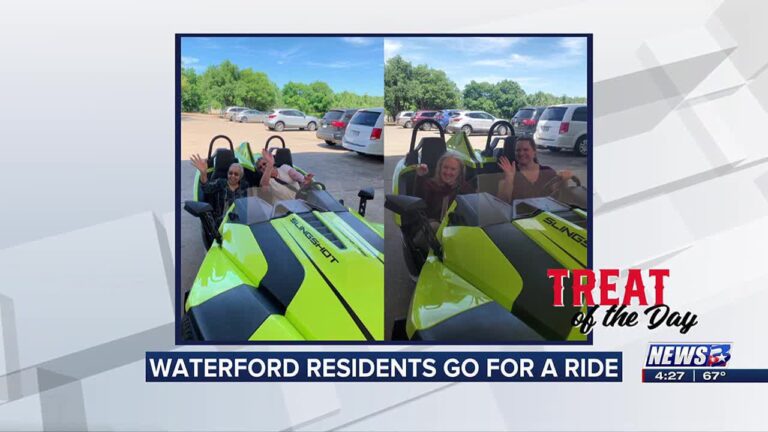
[[283, 157], [432, 148], [509, 148], [222, 159]]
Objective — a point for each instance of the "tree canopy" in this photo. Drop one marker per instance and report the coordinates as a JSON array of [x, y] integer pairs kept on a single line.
[[408, 87], [227, 85]]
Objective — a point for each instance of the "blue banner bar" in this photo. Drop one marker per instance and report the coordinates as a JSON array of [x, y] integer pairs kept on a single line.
[[384, 366], [710, 375]]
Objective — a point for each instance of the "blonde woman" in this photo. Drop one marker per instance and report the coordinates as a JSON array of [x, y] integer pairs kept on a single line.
[[439, 190]]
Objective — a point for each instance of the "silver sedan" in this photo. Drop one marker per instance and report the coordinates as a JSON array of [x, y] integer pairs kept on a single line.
[[251, 116]]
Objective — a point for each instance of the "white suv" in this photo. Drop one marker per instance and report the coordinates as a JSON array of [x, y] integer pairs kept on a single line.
[[404, 119], [284, 118], [471, 122], [563, 127], [365, 133]]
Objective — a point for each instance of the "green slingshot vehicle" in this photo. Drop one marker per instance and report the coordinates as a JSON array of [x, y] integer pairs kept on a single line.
[[482, 274], [301, 269]]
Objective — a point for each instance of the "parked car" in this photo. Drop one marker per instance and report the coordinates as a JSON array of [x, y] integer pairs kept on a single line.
[[286, 118], [230, 112], [333, 124], [444, 116], [364, 132], [563, 127], [525, 119], [250, 116], [472, 122], [421, 115], [403, 119]]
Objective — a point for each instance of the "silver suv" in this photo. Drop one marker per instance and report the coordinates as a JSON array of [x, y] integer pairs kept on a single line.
[[286, 118], [563, 127], [471, 122]]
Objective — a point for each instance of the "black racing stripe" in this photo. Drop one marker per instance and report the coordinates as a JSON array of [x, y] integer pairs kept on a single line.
[[347, 307], [488, 323], [534, 304], [284, 272], [232, 315], [572, 217], [370, 236], [563, 249]]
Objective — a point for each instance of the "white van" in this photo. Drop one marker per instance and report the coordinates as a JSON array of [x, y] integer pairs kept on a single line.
[[563, 127], [365, 132]]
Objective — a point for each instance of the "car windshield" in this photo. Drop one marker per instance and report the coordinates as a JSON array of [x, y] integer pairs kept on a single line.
[[365, 118], [525, 114], [333, 115], [554, 113], [428, 114]]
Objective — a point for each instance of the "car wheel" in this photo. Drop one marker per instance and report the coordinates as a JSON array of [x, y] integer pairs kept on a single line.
[[407, 125], [581, 146], [329, 142], [279, 126], [243, 119], [311, 126], [467, 129], [502, 131]]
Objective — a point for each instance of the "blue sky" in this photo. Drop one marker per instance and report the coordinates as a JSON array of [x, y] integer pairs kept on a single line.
[[351, 63], [551, 64]]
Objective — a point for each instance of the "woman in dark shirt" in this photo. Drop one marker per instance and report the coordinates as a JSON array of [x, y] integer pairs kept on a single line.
[[525, 178], [441, 189], [223, 191]]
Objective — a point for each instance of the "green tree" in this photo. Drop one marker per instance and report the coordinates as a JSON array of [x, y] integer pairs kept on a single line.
[[191, 94], [219, 84], [481, 96], [432, 89], [319, 97], [398, 86], [541, 98], [255, 90], [295, 95], [509, 98]]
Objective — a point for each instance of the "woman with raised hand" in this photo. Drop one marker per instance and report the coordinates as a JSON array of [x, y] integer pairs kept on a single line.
[[525, 177], [439, 190], [223, 191]]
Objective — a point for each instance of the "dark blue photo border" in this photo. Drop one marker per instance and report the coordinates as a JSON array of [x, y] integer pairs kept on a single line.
[[177, 119]]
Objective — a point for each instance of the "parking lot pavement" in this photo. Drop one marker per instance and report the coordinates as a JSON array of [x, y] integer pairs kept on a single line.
[[343, 172], [398, 285]]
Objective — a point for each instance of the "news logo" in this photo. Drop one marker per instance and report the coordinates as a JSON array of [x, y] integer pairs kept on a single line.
[[688, 355]]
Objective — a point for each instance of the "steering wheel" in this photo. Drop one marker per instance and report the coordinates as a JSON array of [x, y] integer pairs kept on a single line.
[[557, 179]]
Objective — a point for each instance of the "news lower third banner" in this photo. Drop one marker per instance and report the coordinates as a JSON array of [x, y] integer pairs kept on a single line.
[[384, 366]]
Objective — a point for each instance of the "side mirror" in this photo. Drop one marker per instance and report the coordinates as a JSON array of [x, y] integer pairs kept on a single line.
[[364, 195], [414, 207], [197, 208], [204, 212], [404, 204]]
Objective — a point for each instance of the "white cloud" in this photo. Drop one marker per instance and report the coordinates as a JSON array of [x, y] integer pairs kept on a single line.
[[341, 64], [357, 41], [481, 45], [576, 46], [189, 61], [391, 48], [510, 61]]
